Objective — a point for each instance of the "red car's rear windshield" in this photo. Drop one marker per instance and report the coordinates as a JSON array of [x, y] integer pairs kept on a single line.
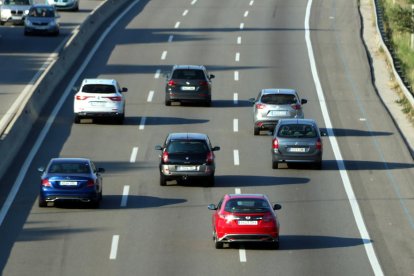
[[249, 205]]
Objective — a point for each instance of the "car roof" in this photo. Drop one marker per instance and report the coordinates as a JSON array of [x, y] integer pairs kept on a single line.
[[187, 136], [43, 6], [184, 66], [278, 91], [69, 160], [297, 121], [99, 81], [240, 196]]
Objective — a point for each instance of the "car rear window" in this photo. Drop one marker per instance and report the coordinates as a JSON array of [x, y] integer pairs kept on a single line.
[[279, 99], [187, 147], [188, 74], [297, 131], [98, 88], [246, 206], [69, 168]]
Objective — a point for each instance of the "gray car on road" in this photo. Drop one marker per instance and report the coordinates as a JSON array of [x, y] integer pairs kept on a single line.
[[297, 140], [273, 104]]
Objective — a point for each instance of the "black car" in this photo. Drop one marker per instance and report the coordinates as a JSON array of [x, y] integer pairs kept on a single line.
[[187, 155], [188, 83]]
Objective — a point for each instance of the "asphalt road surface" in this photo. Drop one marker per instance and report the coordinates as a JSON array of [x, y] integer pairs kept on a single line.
[[144, 229]]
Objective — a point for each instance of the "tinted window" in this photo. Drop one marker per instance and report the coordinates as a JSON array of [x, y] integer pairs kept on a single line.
[[246, 205], [98, 88], [188, 74], [278, 99], [69, 168], [17, 2], [187, 147], [41, 12], [297, 131]]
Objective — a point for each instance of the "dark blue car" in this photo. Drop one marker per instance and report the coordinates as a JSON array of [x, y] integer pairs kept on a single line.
[[70, 179]]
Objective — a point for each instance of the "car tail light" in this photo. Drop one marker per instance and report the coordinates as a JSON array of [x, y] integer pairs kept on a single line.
[[296, 106], [228, 218], [172, 83], [82, 98], [203, 83], [268, 218], [90, 183], [115, 98], [275, 143], [46, 183], [260, 106], [210, 157], [165, 157], [319, 144]]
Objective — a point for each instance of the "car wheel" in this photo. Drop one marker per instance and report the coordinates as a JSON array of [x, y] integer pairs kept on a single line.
[[210, 181], [256, 131], [42, 203], [275, 165], [76, 119], [275, 245], [26, 32], [207, 104], [163, 180], [120, 120], [217, 244], [95, 203], [318, 165], [167, 103]]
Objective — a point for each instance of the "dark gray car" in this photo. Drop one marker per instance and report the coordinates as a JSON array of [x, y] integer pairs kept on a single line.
[[297, 140], [273, 104], [188, 83], [42, 19]]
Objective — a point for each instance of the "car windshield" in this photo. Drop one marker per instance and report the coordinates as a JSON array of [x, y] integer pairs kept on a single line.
[[60, 167], [98, 88], [188, 74], [280, 99], [297, 131], [187, 147], [248, 205], [41, 12], [17, 2]]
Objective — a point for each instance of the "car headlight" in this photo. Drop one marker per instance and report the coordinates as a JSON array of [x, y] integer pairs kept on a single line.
[[28, 23], [26, 12], [52, 23], [5, 13]]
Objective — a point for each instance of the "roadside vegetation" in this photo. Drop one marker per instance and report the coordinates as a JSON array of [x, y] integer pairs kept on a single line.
[[399, 26]]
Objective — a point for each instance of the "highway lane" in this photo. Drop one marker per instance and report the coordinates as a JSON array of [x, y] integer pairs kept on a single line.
[[24, 58], [166, 230]]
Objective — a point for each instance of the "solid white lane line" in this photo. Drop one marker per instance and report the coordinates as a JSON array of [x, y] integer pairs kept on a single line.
[[193, 2], [235, 98], [134, 154], [163, 55], [246, 13], [150, 96], [170, 38], [235, 125], [237, 57], [338, 156], [125, 193], [57, 107], [142, 123], [185, 12], [157, 74], [236, 157], [251, 3], [241, 26], [177, 25], [114, 247], [236, 75], [237, 191], [242, 254], [239, 40]]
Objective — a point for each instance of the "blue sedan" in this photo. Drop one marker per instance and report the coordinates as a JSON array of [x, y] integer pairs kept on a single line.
[[70, 179]]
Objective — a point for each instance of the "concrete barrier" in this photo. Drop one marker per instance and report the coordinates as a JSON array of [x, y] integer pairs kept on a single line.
[[19, 128]]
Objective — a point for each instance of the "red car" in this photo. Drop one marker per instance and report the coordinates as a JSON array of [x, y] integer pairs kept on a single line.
[[245, 218]]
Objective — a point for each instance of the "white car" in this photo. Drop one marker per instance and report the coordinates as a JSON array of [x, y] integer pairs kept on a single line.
[[72, 5], [99, 98]]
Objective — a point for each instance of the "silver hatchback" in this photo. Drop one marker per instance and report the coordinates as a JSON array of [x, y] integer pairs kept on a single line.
[[273, 104], [297, 140]]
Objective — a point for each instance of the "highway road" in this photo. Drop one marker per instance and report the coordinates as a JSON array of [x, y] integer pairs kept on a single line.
[[352, 217]]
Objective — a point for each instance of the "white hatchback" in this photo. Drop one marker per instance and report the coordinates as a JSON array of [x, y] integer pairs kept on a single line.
[[99, 98]]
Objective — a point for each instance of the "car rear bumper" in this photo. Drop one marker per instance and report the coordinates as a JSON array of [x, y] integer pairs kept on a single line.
[[249, 238], [99, 114], [188, 97], [170, 172], [316, 157], [70, 197], [41, 31]]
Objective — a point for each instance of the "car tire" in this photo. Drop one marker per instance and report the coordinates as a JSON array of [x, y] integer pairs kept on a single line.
[[76, 119], [256, 131], [163, 180], [96, 203], [42, 203], [207, 104], [275, 245], [318, 165], [210, 181], [167, 103], [120, 120], [26, 33], [217, 244], [275, 165]]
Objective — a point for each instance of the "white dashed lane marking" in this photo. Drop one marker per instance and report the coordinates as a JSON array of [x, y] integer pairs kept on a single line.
[[170, 38], [241, 26], [236, 157], [177, 25], [251, 3], [236, 75], [164, 55], [246, 13], [134, 154], [235, 125], [185, 12], [193, 2], [237, 191], [125, 194], [150, 96], [157, 74], [235, 98], [239, 40], [114, 247], [142, 123], [242, 254], [237, 57]]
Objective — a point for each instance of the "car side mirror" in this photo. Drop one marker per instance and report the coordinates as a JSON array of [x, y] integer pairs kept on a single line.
[[303, 101], [158, 147], [216, 148], [323, 133], [277, 207], [101, 170], [41, 169], [252, 100], [212, 207], [124, 89], [75, 89], [212, 76]]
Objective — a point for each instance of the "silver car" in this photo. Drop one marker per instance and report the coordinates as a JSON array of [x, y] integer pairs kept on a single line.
[[14, 11], [273, 104], [297, 140]]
